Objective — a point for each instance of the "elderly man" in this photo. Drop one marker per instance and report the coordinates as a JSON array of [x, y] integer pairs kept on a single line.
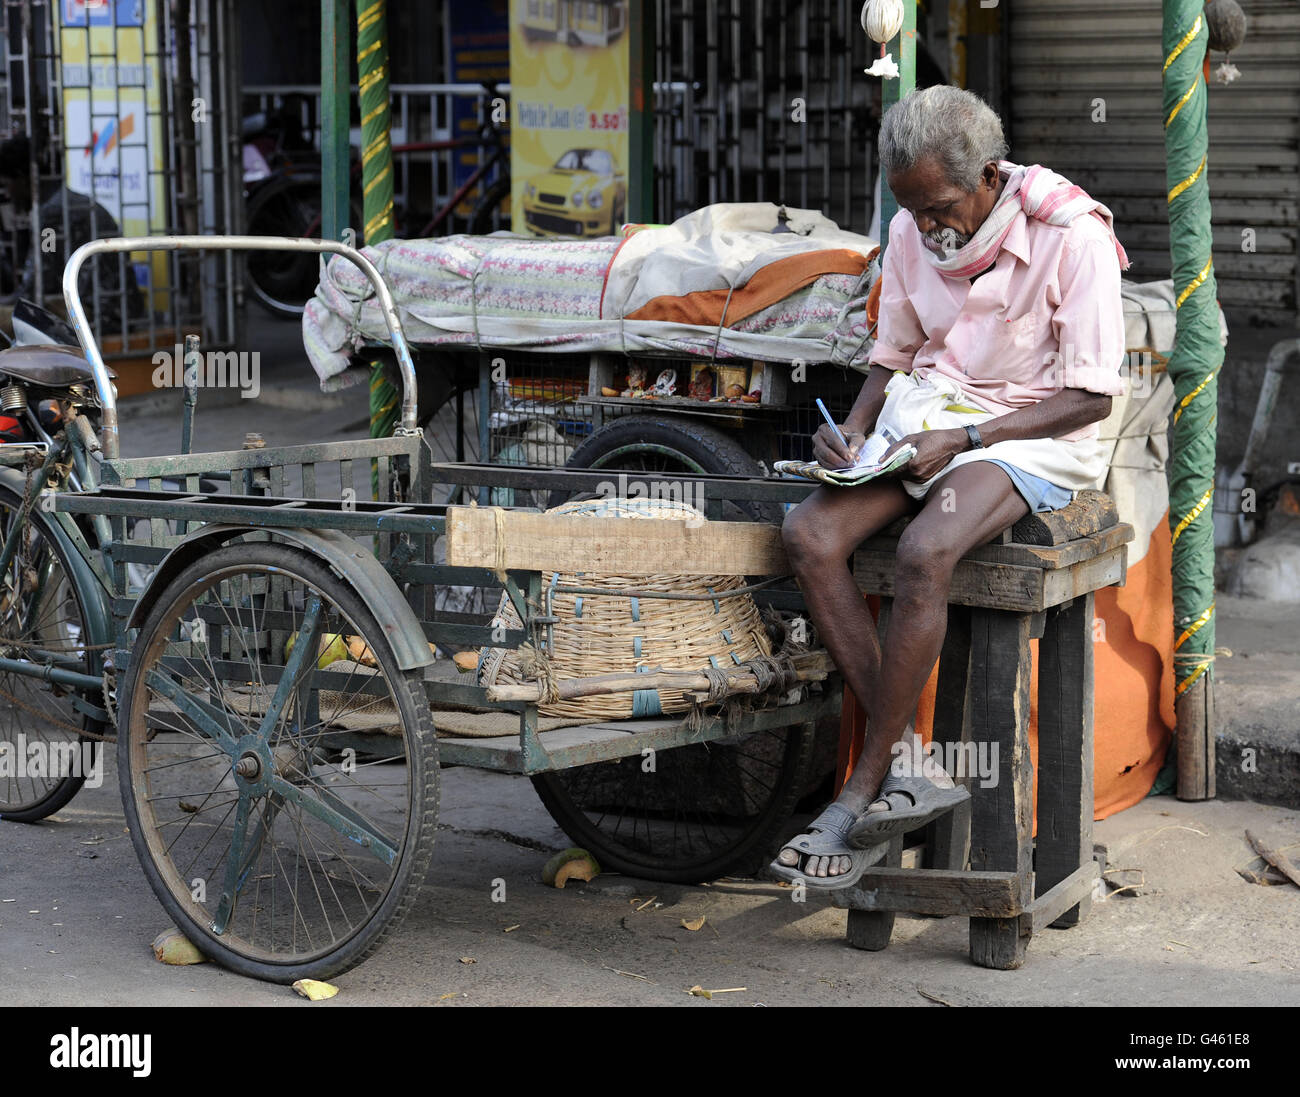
[[998, 349]]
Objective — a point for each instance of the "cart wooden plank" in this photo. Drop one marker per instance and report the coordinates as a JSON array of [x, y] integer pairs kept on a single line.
[[492, 537]]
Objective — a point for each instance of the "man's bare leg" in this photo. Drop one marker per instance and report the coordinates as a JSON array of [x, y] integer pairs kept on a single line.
[[966, 508], [819, 535]]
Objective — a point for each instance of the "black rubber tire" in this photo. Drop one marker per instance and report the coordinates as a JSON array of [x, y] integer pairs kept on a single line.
[[421, 757], [686, 862], [661, 444], [283, 282], [678, 445], [481, 220], [60, 794]]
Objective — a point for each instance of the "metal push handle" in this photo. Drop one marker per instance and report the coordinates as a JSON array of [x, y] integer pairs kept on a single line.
[[77, 313]]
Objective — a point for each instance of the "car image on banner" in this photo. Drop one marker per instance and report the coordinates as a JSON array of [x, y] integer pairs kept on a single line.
[[570, 116], [583, 194]]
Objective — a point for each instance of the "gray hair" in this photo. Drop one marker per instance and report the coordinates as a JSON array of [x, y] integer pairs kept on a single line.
[[952, 126]]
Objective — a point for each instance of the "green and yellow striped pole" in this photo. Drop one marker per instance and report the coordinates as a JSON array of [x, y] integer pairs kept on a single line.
[[1193, 368], [376, 173]]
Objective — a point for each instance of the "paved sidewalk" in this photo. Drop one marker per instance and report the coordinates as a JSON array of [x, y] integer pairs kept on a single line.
[[81, 918]]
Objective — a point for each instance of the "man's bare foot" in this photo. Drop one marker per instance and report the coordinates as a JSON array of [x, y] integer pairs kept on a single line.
[[912, 759], [825, 836]]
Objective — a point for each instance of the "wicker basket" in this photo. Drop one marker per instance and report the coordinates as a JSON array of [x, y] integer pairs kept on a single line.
[[611, 634]]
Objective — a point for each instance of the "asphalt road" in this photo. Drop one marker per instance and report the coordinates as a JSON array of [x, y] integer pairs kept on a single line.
[[77, 918]]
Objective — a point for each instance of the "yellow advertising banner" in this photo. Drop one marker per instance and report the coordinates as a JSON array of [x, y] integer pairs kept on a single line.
[[569, 91]]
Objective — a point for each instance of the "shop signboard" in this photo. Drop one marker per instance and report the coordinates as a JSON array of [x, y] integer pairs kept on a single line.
[[114, 149], [569, 116], [478, 52]]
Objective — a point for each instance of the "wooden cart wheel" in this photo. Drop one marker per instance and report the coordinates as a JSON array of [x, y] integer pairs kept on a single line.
[[43, 614], [279, 770], [698, 813]]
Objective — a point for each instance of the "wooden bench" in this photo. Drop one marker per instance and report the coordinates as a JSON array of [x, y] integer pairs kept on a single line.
[[982, 861]]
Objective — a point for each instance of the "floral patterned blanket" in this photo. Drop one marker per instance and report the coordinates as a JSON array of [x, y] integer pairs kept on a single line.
[[565, 296]]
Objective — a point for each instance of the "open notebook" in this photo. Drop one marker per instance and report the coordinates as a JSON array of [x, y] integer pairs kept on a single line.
[[869, 465]]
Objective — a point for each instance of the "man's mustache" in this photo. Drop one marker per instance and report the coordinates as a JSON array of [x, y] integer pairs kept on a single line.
[[946, 239]]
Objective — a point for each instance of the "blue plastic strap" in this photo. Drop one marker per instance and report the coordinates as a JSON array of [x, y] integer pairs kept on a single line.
[[645, 702], [636, 609]]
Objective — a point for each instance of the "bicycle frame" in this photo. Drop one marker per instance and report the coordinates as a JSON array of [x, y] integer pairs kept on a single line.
[[479, 173], [104, 387]]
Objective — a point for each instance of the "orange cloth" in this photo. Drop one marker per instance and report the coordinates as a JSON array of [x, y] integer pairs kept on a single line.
[[770, 284], [1133, 707]]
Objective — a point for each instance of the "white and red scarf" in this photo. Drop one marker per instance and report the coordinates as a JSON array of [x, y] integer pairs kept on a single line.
[[1040, 193]]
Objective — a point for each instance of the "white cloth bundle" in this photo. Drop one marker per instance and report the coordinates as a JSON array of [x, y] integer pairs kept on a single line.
[[913, 405]]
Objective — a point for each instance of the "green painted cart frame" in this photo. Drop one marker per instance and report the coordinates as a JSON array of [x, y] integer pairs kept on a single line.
[[207, 666]]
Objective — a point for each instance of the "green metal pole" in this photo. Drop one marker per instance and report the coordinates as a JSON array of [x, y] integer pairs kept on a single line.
[[641, 112], [376, 175], [335, 39], [892, 90], [1193, 367]]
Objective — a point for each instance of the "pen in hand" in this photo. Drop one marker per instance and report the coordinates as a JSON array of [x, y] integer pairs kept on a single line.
[[839, 434]]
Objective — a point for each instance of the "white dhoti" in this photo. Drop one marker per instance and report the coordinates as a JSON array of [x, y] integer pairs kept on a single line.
[[913, 405]]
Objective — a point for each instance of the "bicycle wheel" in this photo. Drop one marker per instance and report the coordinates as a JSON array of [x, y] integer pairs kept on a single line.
[[43, 617], [703, 811], [283, 282], [282, 807], [493, 210]]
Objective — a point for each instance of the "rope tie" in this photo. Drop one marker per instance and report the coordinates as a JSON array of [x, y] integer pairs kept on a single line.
[[534, 664]]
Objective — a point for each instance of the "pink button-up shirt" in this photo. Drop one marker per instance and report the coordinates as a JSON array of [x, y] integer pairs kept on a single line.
[[1046, 316]]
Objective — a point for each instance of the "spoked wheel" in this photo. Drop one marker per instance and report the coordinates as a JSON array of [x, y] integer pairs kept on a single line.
[[700, 812], [492, 211], [47, 744], [453, 436], [279, 770]]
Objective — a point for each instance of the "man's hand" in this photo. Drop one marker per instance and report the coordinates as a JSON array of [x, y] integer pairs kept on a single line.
[[829, 451], [934, 449]]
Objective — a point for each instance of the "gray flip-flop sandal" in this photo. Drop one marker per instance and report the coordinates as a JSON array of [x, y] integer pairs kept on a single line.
[[913, 802], [825, 837]]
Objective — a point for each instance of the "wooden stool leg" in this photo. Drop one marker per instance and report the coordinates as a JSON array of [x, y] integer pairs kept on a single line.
[[1065, 757], [871, 929], [1002, 816], [947, 839]]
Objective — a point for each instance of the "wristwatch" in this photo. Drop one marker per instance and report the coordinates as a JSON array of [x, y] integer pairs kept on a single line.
[[976, 442]]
